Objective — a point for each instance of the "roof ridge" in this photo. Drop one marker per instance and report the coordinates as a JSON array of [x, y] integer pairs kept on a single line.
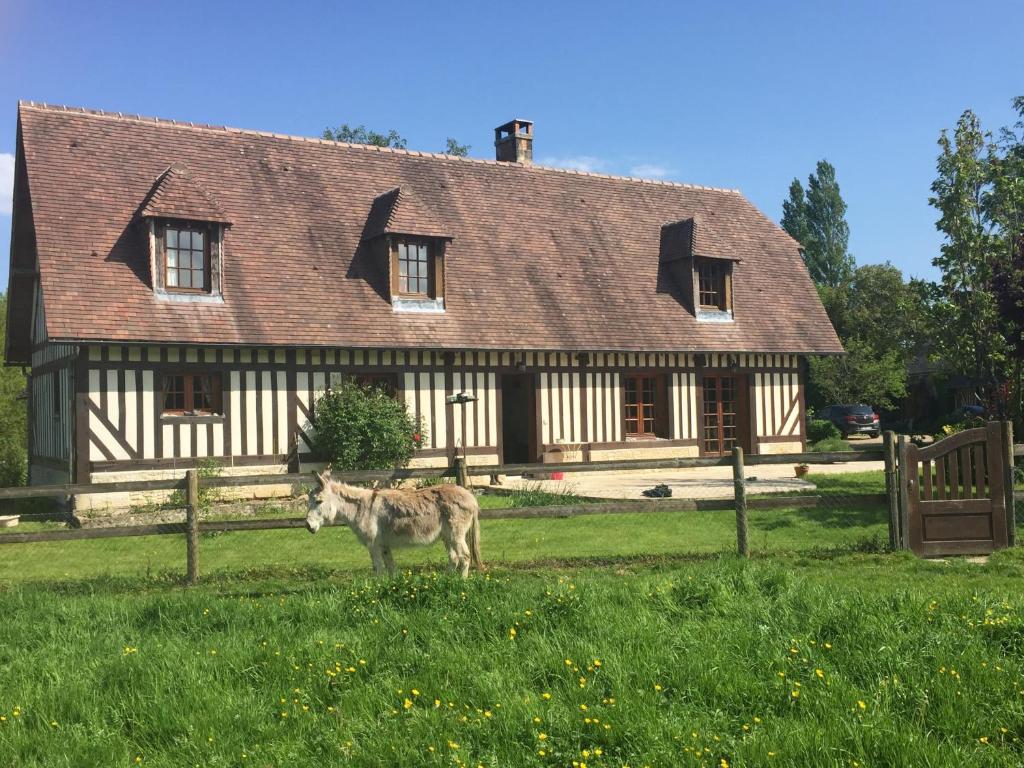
[[149, 120]]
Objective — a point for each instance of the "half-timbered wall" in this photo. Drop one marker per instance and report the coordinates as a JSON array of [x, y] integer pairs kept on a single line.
[[269, 396], [778, 398], [124, 408], [50, 404]]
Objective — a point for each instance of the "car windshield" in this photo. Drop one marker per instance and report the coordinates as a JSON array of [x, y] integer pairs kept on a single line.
[[858, 410]]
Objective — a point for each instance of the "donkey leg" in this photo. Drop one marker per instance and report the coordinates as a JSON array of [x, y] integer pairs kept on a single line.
[[453, 552], [462, 550], [389, 561], [377, 558]]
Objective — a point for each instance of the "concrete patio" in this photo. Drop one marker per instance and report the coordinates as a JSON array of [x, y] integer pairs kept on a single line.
[[696, 483]]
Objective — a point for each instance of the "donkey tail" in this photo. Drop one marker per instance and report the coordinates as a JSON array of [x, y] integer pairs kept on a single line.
[[474, 542]]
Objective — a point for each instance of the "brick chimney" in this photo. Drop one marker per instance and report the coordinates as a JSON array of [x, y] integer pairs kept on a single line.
[[513, 142]]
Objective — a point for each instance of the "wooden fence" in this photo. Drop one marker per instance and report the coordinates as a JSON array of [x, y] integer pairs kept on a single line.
[[462, 473]]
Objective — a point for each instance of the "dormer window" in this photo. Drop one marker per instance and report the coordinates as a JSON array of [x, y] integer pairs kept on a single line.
[[714, 285], [186, 229], [406, 235], [415, 269], [696, 263], [186, 258]]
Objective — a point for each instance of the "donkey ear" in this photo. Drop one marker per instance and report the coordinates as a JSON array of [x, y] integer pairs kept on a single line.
[[320, 479]]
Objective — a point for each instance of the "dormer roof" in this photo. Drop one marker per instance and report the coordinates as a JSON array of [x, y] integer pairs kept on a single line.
[[695, 236], [177, 195], [400, 211]]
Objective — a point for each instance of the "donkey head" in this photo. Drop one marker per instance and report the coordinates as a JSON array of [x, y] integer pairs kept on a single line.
[[323, 504], [327, 502]]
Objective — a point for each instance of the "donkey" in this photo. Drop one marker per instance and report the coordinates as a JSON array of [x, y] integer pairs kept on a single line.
[[385, 518]]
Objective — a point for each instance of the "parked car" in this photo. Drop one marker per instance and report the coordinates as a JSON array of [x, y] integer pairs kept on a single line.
[[853, 419]]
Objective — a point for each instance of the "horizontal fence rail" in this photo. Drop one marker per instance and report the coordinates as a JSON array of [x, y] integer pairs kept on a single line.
[[461, 473], [391, 475], [623, 506]]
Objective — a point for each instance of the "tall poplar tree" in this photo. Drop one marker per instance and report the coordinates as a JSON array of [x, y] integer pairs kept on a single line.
[[816, 218]]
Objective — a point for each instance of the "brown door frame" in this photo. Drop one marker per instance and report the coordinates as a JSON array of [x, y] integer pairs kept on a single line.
[[743, 426]]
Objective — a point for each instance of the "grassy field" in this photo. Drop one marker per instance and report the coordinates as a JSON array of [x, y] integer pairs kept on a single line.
[[504, 541], [600, 641], [857, 660]]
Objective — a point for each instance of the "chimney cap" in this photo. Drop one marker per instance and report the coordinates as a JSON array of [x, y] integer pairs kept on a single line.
[[516, 127]]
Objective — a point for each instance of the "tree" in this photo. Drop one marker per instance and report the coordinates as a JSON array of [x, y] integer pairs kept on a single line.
[[13, 417], [862, 375], [361, 427], [816, 218], [1006, 208], [361, 135], [876, 306], [454, 148], [969, 328], [881, 320]]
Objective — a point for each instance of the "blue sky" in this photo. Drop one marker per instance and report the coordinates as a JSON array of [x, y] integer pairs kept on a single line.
[[744, 95]]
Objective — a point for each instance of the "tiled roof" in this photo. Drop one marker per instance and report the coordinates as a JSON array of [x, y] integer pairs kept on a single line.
[[176, 195], [539, 259]]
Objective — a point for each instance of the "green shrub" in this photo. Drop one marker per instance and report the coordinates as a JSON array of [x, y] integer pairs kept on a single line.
[[830, 445], [364, 428], [822, 429]]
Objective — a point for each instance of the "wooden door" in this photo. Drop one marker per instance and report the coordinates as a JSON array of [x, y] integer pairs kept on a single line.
[[724, 415], [955, 495]]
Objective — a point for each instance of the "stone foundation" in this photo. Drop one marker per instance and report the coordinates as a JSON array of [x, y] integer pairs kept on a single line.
[[107, 518], [794, 446], [105, 502], [653, 451]]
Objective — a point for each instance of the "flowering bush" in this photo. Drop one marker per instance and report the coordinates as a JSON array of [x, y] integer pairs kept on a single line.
[[361, 427]]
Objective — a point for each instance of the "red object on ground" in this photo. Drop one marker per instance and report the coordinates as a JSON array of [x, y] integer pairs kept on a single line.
[[558, 475]]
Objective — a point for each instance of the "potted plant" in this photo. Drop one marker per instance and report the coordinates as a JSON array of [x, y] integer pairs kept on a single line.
[[801, 469]]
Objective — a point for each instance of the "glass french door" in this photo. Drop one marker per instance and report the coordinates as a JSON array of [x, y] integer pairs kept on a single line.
[[722, 426]]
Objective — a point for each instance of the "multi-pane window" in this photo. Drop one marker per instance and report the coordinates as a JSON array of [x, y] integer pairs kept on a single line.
[[191, 393], [640, 409], [414, 268], [383, 381], [721, 415], [186, 259], [712, 284]]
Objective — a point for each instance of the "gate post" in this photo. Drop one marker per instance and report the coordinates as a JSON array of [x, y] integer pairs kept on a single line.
[[739, 484], [1011, 511], [904, 533], [892, 488]]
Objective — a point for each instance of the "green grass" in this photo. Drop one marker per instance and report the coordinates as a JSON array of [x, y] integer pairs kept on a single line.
[[793, 661], [504, 541], [852, 483]]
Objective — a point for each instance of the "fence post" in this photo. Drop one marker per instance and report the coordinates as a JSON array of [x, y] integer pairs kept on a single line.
[[1011, 510], [460, 472], [904, 495], [192, 526], [739, 484], [891, 488]]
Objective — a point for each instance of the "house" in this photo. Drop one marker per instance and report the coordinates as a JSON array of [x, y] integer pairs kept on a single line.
[[183, 292]]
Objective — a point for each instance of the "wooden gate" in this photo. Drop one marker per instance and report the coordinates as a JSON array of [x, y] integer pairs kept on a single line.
[[954, 494]]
